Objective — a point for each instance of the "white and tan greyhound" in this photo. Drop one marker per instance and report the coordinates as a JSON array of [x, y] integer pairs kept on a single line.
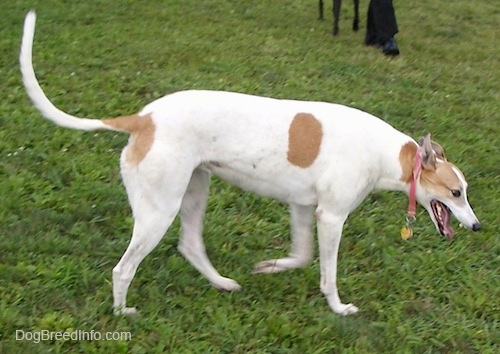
[[320, 158]]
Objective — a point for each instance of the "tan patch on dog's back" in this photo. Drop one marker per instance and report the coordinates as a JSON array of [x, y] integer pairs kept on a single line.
[[304, 140], [406, 159], [142, 131]]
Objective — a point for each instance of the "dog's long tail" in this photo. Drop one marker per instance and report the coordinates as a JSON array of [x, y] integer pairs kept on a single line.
[[35, 92]]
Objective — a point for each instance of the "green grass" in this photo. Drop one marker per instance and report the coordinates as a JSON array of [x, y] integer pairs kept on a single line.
[[65, 220]]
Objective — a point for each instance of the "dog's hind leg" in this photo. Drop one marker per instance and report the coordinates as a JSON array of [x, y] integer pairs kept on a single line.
[[149, 228], [191, 241], [301, 252], [155, 197]]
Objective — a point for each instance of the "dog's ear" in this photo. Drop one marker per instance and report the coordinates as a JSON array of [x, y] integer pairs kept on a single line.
[[438, 149], [428, 153]]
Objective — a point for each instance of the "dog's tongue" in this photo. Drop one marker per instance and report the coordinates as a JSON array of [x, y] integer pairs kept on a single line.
[[448, 230]]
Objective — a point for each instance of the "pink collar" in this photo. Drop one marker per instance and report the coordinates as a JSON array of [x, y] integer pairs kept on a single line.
[[417, 168]]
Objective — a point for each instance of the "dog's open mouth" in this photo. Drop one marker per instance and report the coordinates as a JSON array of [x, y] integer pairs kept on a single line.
[[442, 214]]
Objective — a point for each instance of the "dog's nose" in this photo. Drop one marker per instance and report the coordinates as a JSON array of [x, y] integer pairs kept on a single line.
[[476, 226]]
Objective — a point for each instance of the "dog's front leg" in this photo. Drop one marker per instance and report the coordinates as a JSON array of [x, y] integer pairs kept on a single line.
[[301, 252], [330, 227]]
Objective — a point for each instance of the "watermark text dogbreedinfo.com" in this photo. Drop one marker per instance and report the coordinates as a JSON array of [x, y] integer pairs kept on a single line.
[[77, 335]]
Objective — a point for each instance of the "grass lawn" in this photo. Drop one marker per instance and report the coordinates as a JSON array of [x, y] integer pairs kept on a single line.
[[65, 220]]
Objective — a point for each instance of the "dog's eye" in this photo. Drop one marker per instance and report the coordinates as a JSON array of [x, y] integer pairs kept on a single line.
[[456, 193]]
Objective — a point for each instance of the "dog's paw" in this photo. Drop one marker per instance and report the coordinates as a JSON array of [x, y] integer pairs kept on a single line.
[[267, 267], [279, 265], [346, 309], [125, 311], [227, 284]]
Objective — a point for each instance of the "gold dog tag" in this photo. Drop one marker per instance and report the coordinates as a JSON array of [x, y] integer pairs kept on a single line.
[[406, 232]]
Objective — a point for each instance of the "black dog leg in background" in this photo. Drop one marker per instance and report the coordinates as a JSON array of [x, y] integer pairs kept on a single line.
[[337, 4]]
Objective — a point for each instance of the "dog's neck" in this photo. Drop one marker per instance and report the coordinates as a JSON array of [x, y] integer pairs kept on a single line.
[[397, 170]]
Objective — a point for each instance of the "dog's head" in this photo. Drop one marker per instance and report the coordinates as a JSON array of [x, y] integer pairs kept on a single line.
[[442, 190]]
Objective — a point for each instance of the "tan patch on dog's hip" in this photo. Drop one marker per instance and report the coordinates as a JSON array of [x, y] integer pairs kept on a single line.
[[142, 131], [304, 140]]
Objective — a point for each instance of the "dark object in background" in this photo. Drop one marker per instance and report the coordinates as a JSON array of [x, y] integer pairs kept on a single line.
[[336, 13], [381, 26]]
